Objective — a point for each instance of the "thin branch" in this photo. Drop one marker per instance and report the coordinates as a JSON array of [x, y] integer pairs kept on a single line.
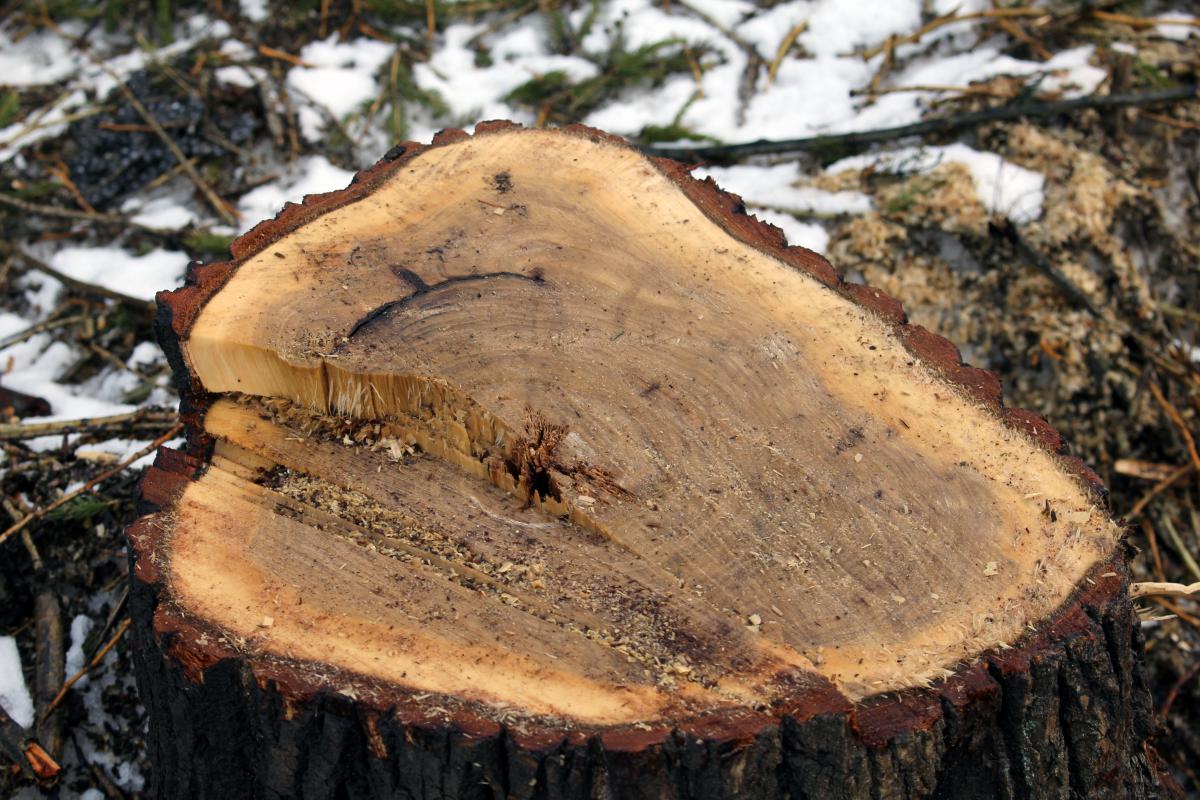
[[951, 18], [858, 139], [1158, 489], [80, 286], [83, 216], [214, 200], [1148, 588], [142, 418], [88, 667], [784, 47], [87, 487], [41, 327], [20, 747]]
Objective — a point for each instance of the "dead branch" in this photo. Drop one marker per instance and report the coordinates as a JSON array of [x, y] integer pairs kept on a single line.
[[82, 287], [50, 661], [1149, 588], [91, 484], [117, 423], [858, 139], [19, 746]]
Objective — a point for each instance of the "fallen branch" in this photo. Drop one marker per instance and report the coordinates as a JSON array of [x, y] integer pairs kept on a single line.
[[858, 139], [40, 327], [83, 287], [18, 745], [96, 217], [50, 661], [88, 667], [87, 487], [214, 200], [951, 18], [1156, 589]]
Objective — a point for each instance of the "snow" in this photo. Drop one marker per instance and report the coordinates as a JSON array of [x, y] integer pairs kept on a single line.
[[1002, 186], [81, 626], [1181, 30], [121, 271], [776, 187], [477, 92], [14, 696], [341, 77], [254, 10], [162, 212], [38, 58], [310, 175]]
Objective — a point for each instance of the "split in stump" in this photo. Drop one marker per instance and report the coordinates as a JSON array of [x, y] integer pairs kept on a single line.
[[528, 466]]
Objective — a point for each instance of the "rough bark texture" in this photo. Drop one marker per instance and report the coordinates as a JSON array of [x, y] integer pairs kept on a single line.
[[1062, 713]]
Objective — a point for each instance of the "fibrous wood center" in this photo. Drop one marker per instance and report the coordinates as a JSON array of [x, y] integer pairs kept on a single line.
[[526, 427]]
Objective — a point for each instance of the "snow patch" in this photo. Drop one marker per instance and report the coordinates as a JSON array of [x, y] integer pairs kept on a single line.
[[14, 696], [1176, 25], [121, 271], [310, 175], [1002, 186], [342, 74], [776, 186]]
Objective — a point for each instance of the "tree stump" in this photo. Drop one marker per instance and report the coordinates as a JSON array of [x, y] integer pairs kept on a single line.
[[530, 467]]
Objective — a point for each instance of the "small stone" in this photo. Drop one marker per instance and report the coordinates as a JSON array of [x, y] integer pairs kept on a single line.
[[266, 622], [755, 620], [991, 569], [858, 458]]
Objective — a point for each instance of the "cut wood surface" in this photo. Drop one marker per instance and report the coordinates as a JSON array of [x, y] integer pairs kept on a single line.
[[529, 433]]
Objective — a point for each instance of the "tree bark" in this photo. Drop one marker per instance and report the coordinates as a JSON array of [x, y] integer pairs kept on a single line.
[[365, 578]]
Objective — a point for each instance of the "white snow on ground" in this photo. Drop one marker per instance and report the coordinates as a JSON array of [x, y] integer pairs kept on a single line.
[[339, 76], [1185, 25], [121, 271], [81, 626], [311, 175], [14, 696], [476, 92], [1002, 187], [39, 58], [776, 186], [254, 10]]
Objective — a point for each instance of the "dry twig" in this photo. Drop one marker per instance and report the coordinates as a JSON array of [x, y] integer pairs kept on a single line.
[[91, 484]]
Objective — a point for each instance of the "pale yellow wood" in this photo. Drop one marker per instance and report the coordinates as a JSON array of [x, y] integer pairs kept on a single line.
[[745, 446]]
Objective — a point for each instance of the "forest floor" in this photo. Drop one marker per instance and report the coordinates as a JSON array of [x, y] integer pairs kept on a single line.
[[1059, 247]]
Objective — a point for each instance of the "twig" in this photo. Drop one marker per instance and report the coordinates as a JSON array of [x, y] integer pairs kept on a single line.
[[1142, 22], [41, 327], [87, 487], [1146, 470], [857, 139], [951, 18], [754, 59], [92, 664], [216, 202], [134, 420], [80, 286], [784, 47], [1183, 681], [1159, 488], [982, 90], [50, 661], [19, 746], [1160, 589], [84, 216], [110, 789], [271, 52], [1177, 419], [1180, 548]]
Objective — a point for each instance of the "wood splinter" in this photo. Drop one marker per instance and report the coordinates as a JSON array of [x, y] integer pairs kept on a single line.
[[529, 466]]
